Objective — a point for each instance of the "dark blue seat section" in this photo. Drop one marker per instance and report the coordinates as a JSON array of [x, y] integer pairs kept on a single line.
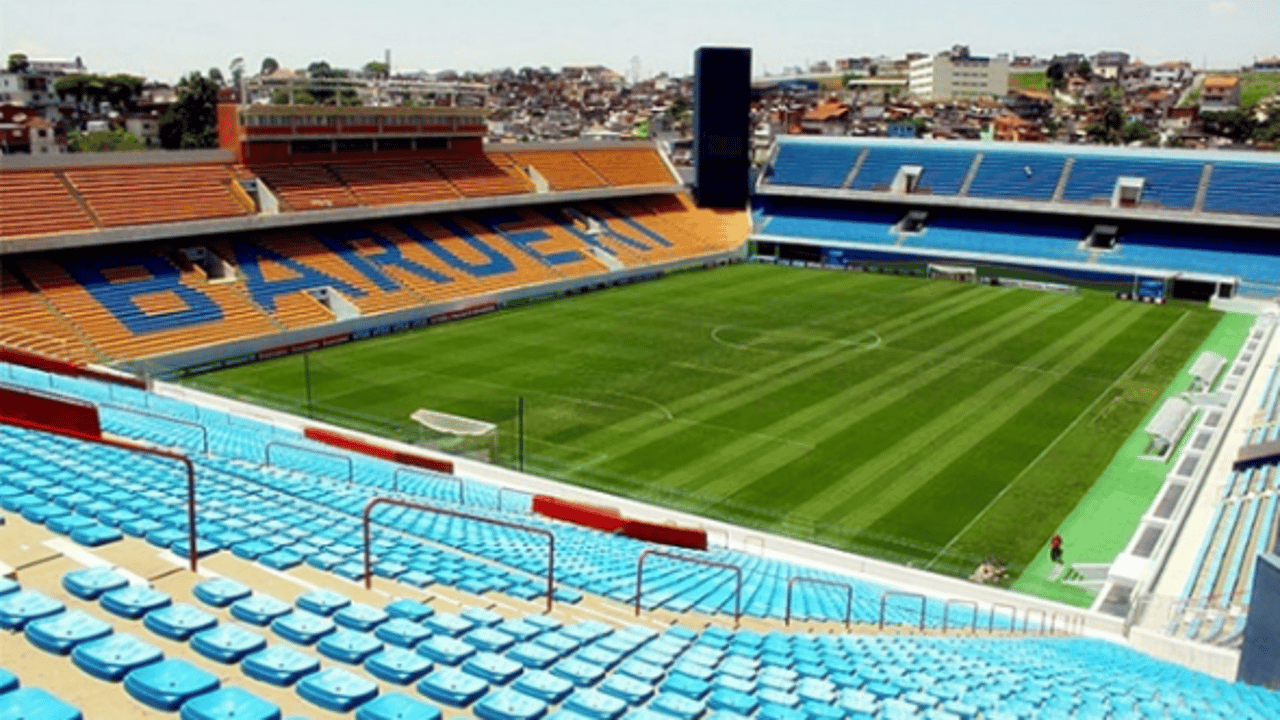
[[1170, 183], [1243, 253], [817, 220], [1241, 188], [1002, 235], [813, 164], [1017, 175], [944, 169]]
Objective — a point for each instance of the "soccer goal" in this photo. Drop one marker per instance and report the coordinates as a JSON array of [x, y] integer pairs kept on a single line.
[[457, 435]]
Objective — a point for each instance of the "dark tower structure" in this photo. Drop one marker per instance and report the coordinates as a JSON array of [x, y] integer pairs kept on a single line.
[[721, 126]]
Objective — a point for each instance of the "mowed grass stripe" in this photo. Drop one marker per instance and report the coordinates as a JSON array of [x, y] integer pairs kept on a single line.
[[852, 440], [849, 501], [819, 422], [643, 429]]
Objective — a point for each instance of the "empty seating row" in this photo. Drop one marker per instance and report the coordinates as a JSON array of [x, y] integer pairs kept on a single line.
[[1241, 188], [137, 195], [36, 203]]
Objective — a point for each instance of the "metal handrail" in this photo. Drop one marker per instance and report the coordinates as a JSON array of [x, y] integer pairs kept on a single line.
[[991, 619], [848, 613], [884, 598], [1026, 619], [737, 596], [134, 447], [368, 561], [395, 481], [204, 431], [946, 614], [351, 468]]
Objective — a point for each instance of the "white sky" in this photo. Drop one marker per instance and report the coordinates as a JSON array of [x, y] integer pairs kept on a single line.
[[162, 41]]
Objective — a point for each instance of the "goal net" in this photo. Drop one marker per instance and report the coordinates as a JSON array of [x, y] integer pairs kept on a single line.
[[457, 435]]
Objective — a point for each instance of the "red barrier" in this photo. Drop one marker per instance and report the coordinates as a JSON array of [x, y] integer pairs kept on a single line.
[[63, 367], [34, 409], [666, 534], [586, 515], [328, 437]]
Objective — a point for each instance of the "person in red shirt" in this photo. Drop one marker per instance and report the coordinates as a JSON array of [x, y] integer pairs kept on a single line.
[[1055, 548]]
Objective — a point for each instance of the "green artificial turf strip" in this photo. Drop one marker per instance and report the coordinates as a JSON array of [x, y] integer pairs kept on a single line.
[[873, 412], [1104, 521]]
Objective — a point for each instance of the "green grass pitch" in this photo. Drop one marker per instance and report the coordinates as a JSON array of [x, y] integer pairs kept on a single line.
[[924, 421]]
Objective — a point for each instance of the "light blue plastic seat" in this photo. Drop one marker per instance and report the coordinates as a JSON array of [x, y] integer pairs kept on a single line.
[[398, 665], [228, 643], [302, 627], [453, 687], [21, 607], [337, 689], [220, 591], [179, 621], [114, 656], [492, 668], [510, 704], [168, 684], [543, 685], [595, 705], [348, 646], [61, 633], [88, 583], [445, 650], [37, 704], [322, 601], [397, 706], [279, 665], [229, 703], [133, 601]]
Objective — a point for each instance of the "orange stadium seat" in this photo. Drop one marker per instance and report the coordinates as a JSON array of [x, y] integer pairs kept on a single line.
[[306, 186], [562, 169], [163, 193], [623, 167], [28, 323], [483, 175], [37, 203], [389, 182]]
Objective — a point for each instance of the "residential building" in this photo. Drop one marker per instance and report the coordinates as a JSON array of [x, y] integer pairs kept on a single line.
[[1220, 92], [957, 75], [1271, 64], [1172, 74], [24, 131]]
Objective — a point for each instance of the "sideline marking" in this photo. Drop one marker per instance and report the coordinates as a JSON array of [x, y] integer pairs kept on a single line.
[[1123, 378]]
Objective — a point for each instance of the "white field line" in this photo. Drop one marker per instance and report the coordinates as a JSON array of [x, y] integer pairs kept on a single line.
[[1123, 377]]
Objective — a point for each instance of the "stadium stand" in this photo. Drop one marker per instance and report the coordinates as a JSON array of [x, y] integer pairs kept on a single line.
[[625, 167], [155, 299], [37, 203], [786, 217], [483, 175], [392, 182], [306, 186], [943, 169], [1005, 236], [563, 170], [106, 642], [1168, 183], [139, 195], [813, 165], [1017, 176], [1241, 188]]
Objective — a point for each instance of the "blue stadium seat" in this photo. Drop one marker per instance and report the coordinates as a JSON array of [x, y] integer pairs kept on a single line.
[[229, 703], [168, 684], [36, 703], [336, 689]]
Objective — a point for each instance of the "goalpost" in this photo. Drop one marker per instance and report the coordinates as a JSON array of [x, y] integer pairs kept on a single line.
[[457, 435]]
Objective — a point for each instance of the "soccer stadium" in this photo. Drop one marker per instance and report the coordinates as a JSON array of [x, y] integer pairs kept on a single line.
[[358, 416]]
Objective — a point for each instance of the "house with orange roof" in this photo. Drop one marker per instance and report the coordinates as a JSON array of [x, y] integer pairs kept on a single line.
[[1220, 92]]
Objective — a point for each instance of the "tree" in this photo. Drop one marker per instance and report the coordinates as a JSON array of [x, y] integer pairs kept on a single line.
[[216, 75], [1084, 69], [104, 141], [192, 121], [1238, 125], [375, 67], [1109, 129], [18, 62], [1136, 131], [269, 65], [1056, 76]]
